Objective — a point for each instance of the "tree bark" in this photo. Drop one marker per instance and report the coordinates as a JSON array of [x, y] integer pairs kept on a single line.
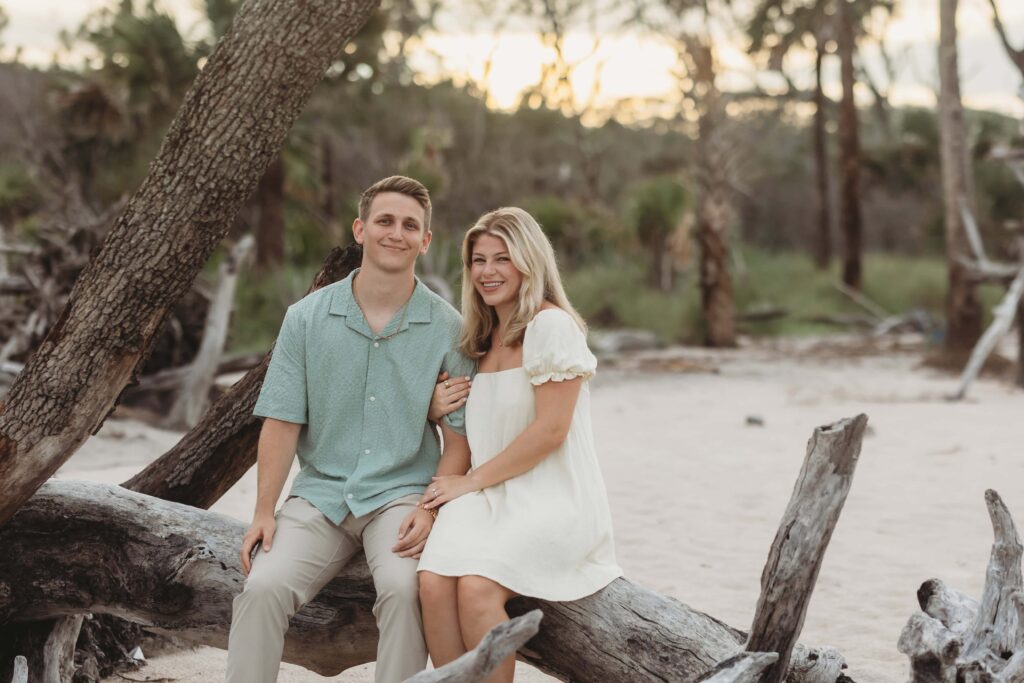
[[849, 153], [231, 124], [83, 547], [799, 546], [823, 244], [1020, 343], [208, 460], [270, 223], [963, 308], [715, 213]]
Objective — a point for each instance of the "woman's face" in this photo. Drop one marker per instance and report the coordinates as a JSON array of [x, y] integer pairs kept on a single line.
[[496, 280]]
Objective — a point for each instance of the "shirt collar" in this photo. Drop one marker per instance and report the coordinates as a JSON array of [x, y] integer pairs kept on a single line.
[[343, 303]]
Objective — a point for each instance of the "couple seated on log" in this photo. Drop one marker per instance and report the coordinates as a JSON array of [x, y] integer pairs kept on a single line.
[[514, 504]]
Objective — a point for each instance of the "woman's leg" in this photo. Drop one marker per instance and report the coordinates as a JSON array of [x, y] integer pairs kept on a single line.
[[438, 599], [482, 607]]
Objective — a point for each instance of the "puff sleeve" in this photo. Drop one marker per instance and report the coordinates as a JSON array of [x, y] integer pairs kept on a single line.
[[555, 349]]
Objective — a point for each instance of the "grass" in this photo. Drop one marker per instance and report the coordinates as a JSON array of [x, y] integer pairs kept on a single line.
[[616, 293]]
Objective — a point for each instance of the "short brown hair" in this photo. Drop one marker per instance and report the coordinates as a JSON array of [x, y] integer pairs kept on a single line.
[[401, 185]]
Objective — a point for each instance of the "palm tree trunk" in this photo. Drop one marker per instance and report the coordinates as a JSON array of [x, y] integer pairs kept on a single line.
[[823, 245], [849, 154], [963, 308], [715, 210]]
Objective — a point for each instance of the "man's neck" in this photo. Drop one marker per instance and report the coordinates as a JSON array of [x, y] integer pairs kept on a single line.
[[378, 291]]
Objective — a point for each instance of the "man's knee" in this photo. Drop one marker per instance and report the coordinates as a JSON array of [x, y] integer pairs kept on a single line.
[[398, 585], [265, 591]]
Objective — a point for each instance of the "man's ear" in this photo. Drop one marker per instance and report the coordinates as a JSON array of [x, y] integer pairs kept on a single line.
[[357, 230], [426, 241]]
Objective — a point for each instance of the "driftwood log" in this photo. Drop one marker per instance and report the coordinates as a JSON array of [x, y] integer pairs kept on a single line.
[[174, 568], [81, 547], [745, 668], [500, 642], [799, 547], [953, 637]]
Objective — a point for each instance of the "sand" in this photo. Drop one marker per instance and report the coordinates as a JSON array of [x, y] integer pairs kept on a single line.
[[697, 493]]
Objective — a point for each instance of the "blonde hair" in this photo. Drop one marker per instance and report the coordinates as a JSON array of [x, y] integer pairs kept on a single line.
[[532, 255], [400, 185]]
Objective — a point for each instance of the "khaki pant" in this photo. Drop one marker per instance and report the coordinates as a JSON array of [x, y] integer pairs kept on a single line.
[[308, 551]]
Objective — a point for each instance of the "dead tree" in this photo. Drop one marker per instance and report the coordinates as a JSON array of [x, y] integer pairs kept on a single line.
[[193, 397], [850, 219], [715, 212], [981, 269], [954, 637], [231, 124], [963, 308], [77, 547]]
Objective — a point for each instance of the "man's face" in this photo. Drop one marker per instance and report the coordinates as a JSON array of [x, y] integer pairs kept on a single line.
[[393, 234]]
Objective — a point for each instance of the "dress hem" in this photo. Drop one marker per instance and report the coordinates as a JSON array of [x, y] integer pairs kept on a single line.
[[499, 574]]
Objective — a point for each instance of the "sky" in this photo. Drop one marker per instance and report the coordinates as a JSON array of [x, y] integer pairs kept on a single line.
[[630, 65]]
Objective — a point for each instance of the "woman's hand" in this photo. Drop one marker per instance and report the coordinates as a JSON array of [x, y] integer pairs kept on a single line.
[[447, 488], [449, 395]]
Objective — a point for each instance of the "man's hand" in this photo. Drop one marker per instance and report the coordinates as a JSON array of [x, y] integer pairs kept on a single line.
[[412, 535], [260, 531]]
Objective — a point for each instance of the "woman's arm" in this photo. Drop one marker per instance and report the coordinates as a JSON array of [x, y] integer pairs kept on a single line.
[[555, 403]]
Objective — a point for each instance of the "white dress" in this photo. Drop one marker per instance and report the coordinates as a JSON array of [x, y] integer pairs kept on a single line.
[[546, 533]]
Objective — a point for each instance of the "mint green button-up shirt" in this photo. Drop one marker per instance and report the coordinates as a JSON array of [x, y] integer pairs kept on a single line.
[[361, 397]]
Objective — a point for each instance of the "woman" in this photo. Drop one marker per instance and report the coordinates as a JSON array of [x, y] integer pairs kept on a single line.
[[531, 516]]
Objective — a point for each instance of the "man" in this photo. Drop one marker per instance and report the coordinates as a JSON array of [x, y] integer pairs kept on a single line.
[[348, 387]]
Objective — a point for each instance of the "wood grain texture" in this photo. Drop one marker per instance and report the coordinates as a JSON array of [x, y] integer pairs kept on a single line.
[[799, 547], [232, 122], [83, 547]]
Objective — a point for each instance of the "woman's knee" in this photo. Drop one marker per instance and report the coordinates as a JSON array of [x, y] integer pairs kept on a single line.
[[435, 588], [477, 594]]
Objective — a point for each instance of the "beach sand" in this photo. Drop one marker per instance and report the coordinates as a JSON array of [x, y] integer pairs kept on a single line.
[[697, 492]]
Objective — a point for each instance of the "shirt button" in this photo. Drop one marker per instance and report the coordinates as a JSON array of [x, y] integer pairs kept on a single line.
[[367, 451], [373, 398], [376, 344], [349, 496]]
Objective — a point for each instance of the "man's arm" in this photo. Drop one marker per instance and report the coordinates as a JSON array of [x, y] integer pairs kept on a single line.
[[274, 456]]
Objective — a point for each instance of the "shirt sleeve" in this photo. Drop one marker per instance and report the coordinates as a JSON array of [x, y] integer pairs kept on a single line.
[[283, 395], [555, 350], [457, 365]]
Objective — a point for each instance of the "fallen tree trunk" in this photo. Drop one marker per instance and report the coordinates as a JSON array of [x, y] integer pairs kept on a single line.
[[80, 547], [954, 638], [233, 121]]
